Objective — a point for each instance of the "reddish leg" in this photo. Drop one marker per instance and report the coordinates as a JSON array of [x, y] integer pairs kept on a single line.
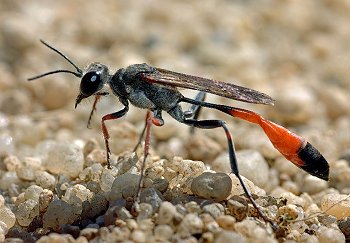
[[147, 131], [111, 116], [97, 98], [158, 121]]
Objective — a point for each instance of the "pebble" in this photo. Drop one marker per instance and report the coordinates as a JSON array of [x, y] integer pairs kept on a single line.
[[33, 192], [193, 207], [214, 209], [251, 164], [89, 146], [202, 148], [293, 199], [190, 225], [209, 223], [285, 167], [291, 107], [237, 207], [290, 212], [26, 173], [167, 212], [305, 78], [89, 233], [216, 186], [344, 226], [312, 185], [337, 205], [156, 170], [7, 216], [238, 190], [125, 137], [45, 198], [329, 235], [226, 222], [96, 156], [77, 194], [253, 232], [58, 213], [7, 179], [55, 237], [45, 179], [160, 184], [230, 236], [138, 236], [127, 162], [12, 163], [163, 232], [3, 231], [2, 201], [146, 211], [27, 211], [107, 178], [123, 182], [153, 197], [92, 207], [64, 158]]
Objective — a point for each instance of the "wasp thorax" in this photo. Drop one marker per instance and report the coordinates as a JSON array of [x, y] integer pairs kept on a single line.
[[94, 78]]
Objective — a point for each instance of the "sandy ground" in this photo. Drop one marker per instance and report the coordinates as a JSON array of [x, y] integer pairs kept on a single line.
[[295, 51]]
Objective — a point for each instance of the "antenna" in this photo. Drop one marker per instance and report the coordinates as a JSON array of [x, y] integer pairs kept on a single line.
[[78, 73]]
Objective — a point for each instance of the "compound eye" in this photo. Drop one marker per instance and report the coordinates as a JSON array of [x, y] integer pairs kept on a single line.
[[90, 83]]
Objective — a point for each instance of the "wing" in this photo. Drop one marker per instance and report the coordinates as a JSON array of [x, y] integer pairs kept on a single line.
[[228, 90]]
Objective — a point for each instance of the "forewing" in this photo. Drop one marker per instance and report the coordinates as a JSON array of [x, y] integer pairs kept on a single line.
[[228, 90]]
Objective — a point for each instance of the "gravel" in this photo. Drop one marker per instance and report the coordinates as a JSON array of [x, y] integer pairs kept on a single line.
[[54, 182]]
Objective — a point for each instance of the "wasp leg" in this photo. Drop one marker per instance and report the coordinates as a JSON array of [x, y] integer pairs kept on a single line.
[[210, 124], [111, 116], [156, 120]]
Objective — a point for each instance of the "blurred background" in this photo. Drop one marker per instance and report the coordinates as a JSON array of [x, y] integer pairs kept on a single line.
[[296, 51]]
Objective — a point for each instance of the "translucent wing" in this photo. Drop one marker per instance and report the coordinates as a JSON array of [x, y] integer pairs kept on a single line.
[[228, 90]]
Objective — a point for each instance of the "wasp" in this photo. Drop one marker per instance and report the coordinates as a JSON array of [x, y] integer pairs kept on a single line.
[[156, 90]]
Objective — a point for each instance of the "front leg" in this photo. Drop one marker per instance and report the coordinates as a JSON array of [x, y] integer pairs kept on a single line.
[[111, 116]]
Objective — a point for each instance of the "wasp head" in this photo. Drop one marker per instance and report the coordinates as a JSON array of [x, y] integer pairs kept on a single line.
[[92, 81], [93, 77]]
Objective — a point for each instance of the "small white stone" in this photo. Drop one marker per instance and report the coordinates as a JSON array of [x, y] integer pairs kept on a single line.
[[26, 173], [107, 178], [12, 163], [64, 158], [45, 179], [77, 194], [27, 211], [2, 201], [45, 198], [337, 205], [33, 192], [3, 228], [191, 224], [238, 190], [312, 184], [138, 236], [7, 216], [163, 232], [226, 236], [166, 213], [7, 179], [329, 235]]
